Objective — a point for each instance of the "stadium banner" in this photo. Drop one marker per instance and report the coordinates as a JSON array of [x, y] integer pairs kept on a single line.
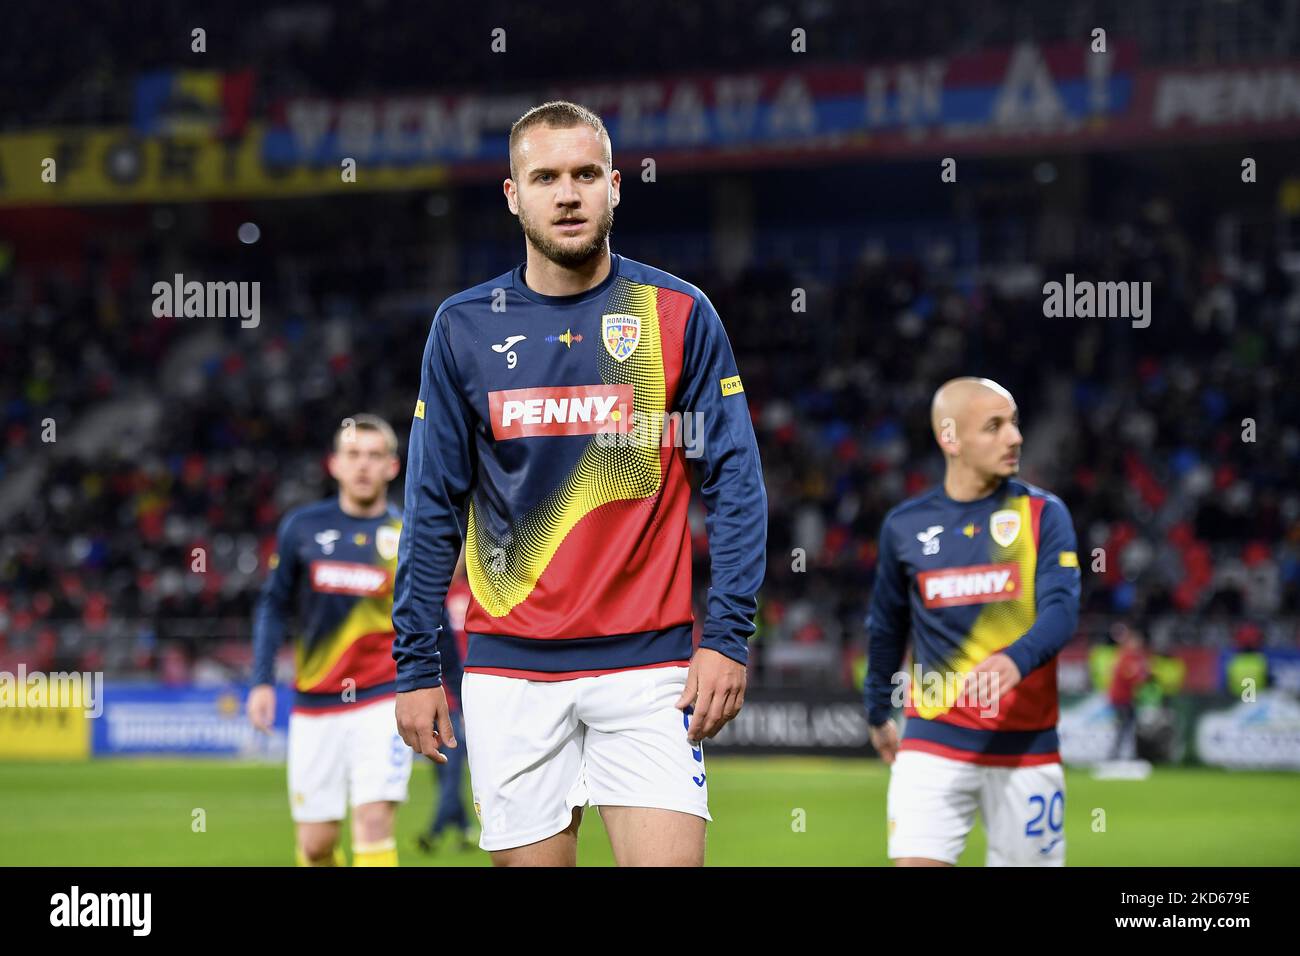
[[192, 138], [204, 721], [117, 165], [181, 102], [796, 721], [1029, 97], [44, 733], [1241, 672], [904, 108], [1088, 728], [1262, 733], [1177, 728], [997, 102]]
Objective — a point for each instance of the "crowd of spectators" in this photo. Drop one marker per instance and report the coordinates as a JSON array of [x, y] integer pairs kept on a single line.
[[1177, 447]]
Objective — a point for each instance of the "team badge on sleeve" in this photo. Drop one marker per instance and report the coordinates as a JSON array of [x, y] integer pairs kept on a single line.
[[621, 334], [1004, 526], [386, 541]]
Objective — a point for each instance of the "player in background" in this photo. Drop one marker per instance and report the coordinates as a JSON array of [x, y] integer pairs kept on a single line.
[[449, 810], [1130, 673], [334, 563], [983, 572], [556, 406]]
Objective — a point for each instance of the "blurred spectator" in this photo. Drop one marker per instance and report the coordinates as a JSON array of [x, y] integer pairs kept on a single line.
[[1131, 672]]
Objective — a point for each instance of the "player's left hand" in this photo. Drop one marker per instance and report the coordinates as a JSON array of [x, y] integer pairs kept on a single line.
[[1006, 675], [715, 685]]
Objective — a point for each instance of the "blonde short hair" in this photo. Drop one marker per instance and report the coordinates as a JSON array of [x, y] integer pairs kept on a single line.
[[367, 423], [559, 114]]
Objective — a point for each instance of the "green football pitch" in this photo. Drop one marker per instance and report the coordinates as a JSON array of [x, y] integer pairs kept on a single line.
[[786, 811]]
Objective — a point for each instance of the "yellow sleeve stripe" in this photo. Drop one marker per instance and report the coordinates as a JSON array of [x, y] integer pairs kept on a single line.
[[419, 408], [732, 386], [1069, 559]]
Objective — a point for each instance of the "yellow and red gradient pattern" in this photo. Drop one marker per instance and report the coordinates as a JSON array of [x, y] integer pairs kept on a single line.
[[598, 530], [1033, 703], [360, 648]]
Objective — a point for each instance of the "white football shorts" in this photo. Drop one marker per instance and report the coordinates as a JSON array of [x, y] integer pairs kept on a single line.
[[933, 800], [355, 752], [538, 749]]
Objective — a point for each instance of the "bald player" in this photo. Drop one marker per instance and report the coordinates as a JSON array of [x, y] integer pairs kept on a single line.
[[983, 573]]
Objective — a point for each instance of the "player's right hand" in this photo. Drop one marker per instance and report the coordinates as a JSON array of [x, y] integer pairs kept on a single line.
[[261, 707], [885, 739], [424, 721]]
